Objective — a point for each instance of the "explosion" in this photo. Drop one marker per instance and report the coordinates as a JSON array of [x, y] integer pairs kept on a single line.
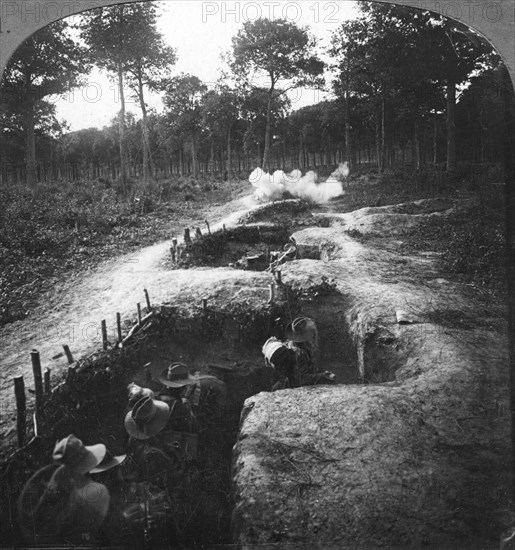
[[271, 187]]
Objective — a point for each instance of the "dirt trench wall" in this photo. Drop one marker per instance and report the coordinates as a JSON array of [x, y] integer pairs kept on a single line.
[[417, 464], [91, 401], [419, 456]]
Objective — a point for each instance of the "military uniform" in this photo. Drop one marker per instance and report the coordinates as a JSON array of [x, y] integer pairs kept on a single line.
[[294, 364]]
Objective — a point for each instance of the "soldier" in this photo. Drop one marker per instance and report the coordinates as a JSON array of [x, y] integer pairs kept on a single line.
[[60, 504], [205, 397], [295, 360], [143, 423], [205, 394]]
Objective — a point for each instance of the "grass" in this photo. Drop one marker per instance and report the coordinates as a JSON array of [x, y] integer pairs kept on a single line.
[[59, 228], [470, 241]]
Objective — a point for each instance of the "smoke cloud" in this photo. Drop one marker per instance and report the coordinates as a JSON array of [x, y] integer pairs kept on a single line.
[[272, 187]]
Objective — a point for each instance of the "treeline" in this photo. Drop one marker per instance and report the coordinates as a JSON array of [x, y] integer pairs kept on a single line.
[[409, 87]]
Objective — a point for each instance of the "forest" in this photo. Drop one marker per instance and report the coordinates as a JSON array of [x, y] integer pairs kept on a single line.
[[407, 88]]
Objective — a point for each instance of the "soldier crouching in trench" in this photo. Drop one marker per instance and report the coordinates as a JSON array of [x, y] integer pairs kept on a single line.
[[174, 435], [295, 361], [62, 505]]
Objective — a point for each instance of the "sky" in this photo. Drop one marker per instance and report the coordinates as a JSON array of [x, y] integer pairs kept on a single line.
[[201, 31]]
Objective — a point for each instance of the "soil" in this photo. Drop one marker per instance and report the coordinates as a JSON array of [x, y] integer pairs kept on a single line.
[[410, 449]]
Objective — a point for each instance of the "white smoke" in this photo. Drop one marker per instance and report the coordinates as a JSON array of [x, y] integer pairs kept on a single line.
[[342, 171], [271, 187]]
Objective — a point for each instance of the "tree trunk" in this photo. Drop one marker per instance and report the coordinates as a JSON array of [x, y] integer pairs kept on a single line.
[[229, 155], [378, 146], [30, 153], [147, 159], [451, 125], [435, 141], [194, 157], [383, 135], [348, 150], [123, 157], [266, 153], [416, 139]]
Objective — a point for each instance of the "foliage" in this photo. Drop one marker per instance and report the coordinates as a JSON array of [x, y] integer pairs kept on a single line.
[[404, 65], [48, 63], [283, 52], [61, 228]]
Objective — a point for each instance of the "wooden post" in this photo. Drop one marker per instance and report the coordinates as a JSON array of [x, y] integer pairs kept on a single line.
[[174, 259], [222, 244], [147, 299], [68, 354], [70, 375], [46, 381], [187, 237], [204, 305], [208, 228], [119, 327], [278, 277], [104, 335], [148, 372], [198, 233], [19, 392], [38, 381], [139, 313], [271, 286], [174, 244]]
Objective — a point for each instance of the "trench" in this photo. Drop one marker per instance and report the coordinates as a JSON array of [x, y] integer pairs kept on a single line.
[[93, 405]]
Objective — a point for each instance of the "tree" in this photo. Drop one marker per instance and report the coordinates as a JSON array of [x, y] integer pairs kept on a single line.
[[183, 100], [254, 111], [220, 113], [48, 63], [125, 41], [393, 53], [281, 51], [105, 32], [149, 59]]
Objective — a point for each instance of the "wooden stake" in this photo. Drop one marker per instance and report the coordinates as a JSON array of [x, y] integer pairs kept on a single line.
[[208, 228], [19, 392], [119, 327], [174, 259], [46, 381], [271, 286], [187, 237], [204, 305], [136, 328], [70, 376], [147, 299], [174, 244], [38, 381], [104, 334], [139, 313], [278, 277], [68, 353], [148, 372]]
